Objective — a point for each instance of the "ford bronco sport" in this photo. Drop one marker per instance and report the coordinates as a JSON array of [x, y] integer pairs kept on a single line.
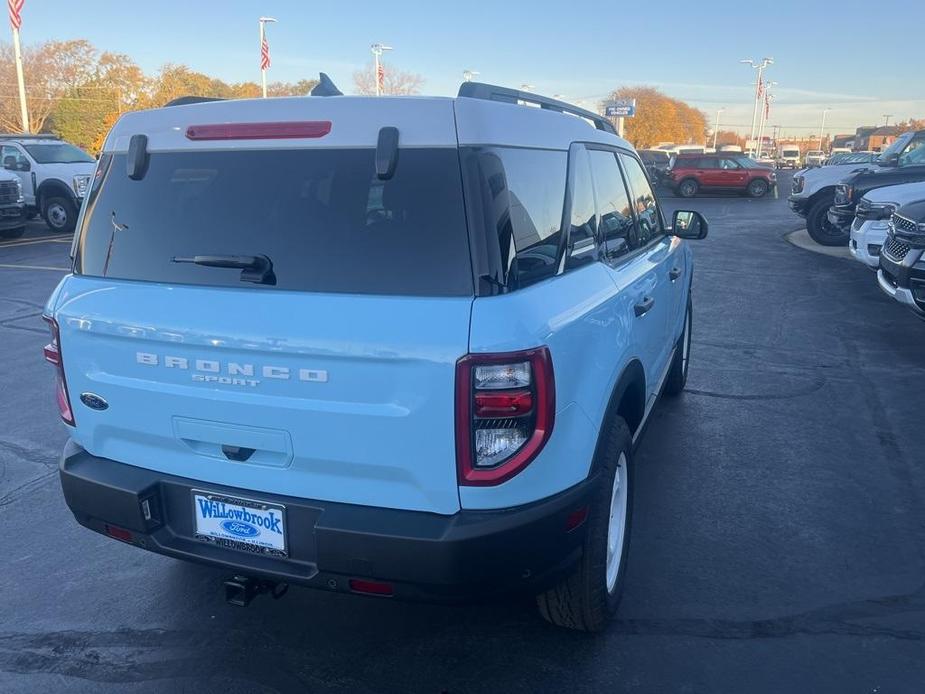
[[400, 347]]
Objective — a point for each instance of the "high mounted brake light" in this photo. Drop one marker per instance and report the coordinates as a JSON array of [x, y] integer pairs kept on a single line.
[[52, 352], [505, 409], [287, 130]]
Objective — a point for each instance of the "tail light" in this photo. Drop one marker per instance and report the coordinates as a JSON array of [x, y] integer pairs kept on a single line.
[[505, 408], [52, 353]]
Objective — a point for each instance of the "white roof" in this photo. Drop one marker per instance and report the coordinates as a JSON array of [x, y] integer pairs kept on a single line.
[[356, 121]]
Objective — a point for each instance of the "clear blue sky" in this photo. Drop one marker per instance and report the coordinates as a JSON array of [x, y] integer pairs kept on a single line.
[[858, 58]]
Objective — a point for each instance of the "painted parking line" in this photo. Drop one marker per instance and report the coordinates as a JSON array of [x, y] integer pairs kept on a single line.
[[11, 266], [41, 239]]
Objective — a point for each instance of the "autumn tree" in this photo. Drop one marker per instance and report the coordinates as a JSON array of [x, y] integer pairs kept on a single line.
[[395, 82], [660, 118], [50, 69]]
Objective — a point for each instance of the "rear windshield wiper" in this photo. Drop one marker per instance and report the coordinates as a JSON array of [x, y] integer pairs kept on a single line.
[[254, 268]]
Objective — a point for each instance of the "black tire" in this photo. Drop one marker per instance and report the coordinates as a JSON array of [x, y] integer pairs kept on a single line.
[[582, 601], [677, 374], [60, 214], [758, 188], [12, 233], [688, 188], [820, 229]]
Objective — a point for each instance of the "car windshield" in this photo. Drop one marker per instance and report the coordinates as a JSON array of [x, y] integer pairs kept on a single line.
[[898, 146], [58, 153], [750, 163]]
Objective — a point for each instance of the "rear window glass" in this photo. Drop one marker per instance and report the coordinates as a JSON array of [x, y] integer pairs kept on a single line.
[[525, 191], [322, 217]]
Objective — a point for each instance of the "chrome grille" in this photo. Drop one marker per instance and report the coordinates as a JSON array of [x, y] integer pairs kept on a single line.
[[9, 192], [894, 248], [903, 224]]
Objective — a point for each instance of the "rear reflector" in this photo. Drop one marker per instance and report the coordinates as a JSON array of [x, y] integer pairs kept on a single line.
[[503, 404], [358, 585], [119, 533], [576, 518], [260, 131]]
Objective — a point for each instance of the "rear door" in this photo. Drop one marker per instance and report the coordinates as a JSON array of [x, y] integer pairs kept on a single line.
[[634, 265], [330, 375], [731, 174]]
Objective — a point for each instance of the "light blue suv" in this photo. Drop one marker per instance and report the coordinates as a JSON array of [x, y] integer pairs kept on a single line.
[[401, 347]]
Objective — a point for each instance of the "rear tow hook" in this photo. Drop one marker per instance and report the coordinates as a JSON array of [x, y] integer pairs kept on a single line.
[[240, 590]]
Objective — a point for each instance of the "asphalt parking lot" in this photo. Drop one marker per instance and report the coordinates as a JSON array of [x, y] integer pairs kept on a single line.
[[779, 528]]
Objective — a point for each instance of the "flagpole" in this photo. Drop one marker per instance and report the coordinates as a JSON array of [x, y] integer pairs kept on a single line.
[[15, 21]]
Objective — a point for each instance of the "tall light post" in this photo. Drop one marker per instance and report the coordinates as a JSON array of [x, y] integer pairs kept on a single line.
[[760, 68], [763, 120], [716, 125], [378, 49], [469, 74], [825, 112], [264, 52]]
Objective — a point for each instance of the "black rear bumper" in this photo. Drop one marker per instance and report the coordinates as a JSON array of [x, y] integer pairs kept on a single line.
[[425, 556]]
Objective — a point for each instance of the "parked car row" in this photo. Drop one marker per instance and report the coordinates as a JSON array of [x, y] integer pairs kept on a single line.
[[41, 175], [828, 196]]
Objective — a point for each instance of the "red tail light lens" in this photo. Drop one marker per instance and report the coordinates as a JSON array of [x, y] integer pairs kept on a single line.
[[298, 130], [52, 352], [358, 585], [505, 408]]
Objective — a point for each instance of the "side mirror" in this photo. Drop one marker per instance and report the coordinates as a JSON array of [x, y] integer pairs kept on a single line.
[[891, 160], [23, 165], [688, 225]]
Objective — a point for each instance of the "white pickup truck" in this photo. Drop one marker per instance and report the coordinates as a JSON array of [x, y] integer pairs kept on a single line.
[[54, 175]]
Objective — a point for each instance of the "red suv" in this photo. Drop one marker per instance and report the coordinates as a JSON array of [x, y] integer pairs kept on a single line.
[[690, 173]]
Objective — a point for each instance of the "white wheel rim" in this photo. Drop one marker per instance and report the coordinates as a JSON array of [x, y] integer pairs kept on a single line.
[[57, 215], [616, 527], [686, 342]]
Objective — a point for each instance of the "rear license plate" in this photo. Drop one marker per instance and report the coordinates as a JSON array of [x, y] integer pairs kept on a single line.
[[241, 524]]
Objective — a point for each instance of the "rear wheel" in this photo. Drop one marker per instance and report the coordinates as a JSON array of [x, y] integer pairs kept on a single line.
[[60, 214], [588, 598], [758, 188], [688, 188], [12, 233], [821, 229], [677, 374]]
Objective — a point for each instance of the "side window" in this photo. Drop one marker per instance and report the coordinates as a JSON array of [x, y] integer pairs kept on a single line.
[[708, 163], [527, 190], [582, 244], [13, 159], [613, 204], [914, 154], [650, 220], [728, 164]]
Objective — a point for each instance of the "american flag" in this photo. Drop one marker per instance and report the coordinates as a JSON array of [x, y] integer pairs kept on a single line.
[[15, 7], [760, 87], [264, 52], [380, 76]]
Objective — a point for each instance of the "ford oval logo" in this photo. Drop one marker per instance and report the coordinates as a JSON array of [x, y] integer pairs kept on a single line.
[[240, 529], [93, 401]]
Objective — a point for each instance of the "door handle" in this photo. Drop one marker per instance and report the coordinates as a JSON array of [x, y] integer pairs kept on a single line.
[[674, 273], [644, 306]]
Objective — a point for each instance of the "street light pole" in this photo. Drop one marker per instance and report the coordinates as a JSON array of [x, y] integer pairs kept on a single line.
[[378, 49], [716, 126], [760, 67], [264, 61], [825, 112]]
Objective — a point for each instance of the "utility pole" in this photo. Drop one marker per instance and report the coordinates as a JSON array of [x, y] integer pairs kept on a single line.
[[887, 116], [264, 52], [825, 112], [760, 68], [716, 126], [379, 74]]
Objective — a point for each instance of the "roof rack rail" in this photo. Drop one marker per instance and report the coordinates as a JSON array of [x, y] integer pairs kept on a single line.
[[186, 100], [28, 136], [491, 92]]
